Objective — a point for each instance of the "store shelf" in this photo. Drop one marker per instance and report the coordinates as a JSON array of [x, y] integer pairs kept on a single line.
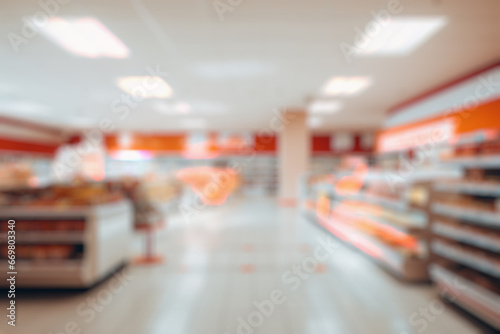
[[42, 212], [53, 274], [410, 228], [479, 217], [489, 161], [479, 301], [467, 258], [477, 137], [467, 236], [40, 237], [471, 188], [392, 204], [407, 267], [45, 265]]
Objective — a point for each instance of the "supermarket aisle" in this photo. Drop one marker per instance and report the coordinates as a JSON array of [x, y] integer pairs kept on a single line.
[[226, 259]]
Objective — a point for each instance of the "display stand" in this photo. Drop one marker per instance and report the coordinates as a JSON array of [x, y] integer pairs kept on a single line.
[[98, 238], [390, 226]]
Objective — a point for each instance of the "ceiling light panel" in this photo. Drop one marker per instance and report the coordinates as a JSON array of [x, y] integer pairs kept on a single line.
[[172, 108], [324, 107], [145, 86], [314, 122], [345, 86], [401, 36], [86, 37], [233, 69]]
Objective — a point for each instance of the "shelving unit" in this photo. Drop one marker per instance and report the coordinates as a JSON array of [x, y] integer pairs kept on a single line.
[[68, 247], [260, 175], [389, 225], [481, 302], [466, 229]]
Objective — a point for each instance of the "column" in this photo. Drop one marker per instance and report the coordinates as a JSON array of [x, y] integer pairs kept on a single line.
[[293, 153]]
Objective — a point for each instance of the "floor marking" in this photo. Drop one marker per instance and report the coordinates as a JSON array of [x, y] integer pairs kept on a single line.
[[247, 268], [321, 268]]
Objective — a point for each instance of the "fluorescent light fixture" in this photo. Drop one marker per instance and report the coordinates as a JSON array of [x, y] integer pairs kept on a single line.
[[86, 37], [145, 86], [325, 107], [342, 86], [314, 121], [199, 107], [400, 36]]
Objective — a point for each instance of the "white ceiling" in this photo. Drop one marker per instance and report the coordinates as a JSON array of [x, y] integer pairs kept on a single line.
[[262, 56]]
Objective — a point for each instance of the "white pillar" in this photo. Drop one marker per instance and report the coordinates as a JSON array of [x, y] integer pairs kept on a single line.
[[293, 153]]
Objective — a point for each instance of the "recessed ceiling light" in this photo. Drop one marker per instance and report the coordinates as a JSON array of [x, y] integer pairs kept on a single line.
[[325, 107], [341, 86], [314, 121], [145, 87], [401, 36], [85, 36]]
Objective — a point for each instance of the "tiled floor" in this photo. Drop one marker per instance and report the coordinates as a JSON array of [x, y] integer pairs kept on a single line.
[[225, 260]]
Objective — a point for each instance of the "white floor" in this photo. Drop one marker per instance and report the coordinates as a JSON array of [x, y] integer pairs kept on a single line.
[[226, 259]]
